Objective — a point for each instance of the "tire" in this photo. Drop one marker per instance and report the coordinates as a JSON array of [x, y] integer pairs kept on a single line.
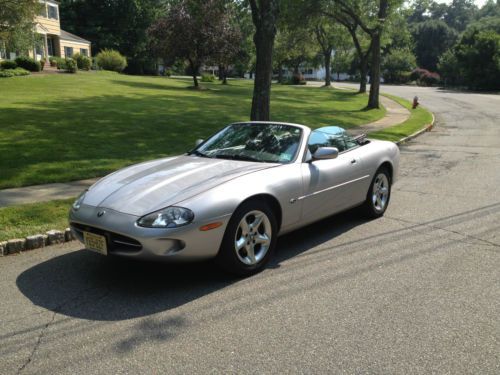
[[379, 194], [245, 250]]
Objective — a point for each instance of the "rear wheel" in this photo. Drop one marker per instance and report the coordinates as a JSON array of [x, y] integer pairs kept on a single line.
[[249, 240], [379, 194]]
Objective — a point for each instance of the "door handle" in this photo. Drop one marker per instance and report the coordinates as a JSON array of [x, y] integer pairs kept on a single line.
[[353, 161]]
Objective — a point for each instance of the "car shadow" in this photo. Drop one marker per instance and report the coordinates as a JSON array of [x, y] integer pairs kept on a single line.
[[85, 285]]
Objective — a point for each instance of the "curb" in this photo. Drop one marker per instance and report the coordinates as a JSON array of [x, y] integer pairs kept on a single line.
[[427, 128], [37, 241]]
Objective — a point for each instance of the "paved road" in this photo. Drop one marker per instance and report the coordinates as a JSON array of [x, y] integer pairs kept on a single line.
[[417, 291]]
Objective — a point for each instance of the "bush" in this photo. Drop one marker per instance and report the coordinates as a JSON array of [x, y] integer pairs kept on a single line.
[[83, 62], [42, 64], [53, 61], [13, 72], [168, 72], [6, 73], [425, 78], [70, 65], [60, 63], [8, 64], [207, 77], [28, 63], [109, 59], [297, 79], [429, 79]]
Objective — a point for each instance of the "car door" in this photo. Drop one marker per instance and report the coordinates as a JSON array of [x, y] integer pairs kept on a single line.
[[332, 185]]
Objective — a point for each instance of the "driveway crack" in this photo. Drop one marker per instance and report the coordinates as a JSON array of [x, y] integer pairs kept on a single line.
[[56, 311]]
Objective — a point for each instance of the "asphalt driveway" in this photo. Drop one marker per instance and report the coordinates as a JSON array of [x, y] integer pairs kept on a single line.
[[417, 291]]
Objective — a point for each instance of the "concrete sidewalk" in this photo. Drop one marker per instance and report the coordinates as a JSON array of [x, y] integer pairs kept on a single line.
[[43, 193], [395, 114]]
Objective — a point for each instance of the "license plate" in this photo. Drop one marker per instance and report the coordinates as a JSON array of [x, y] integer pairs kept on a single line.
[[95, 243]]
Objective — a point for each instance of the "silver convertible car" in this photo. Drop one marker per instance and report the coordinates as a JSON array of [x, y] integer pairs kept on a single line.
[[234, 194]]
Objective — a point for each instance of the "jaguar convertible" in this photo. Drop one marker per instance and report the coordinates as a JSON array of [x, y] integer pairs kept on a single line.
[[234, 194]]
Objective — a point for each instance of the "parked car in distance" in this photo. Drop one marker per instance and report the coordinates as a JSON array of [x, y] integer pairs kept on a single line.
[[234, 194]]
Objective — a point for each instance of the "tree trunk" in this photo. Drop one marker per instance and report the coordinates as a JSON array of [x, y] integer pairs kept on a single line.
[[280, 73], [363, 69], [224, 75], [328, 75], [221, 72], [264, 16], [373, 101]]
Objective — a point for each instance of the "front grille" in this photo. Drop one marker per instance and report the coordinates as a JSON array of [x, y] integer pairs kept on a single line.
[[115, 241]]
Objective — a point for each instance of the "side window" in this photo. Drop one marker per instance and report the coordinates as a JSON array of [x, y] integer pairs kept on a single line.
[[350, 142], [319, 139]]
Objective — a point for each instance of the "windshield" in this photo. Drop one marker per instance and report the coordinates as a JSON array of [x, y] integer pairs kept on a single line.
[[271, 143]]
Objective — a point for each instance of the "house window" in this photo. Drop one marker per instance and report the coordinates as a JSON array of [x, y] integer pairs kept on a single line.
[[43, 11], [84, 51], [68, 51], [53, 12]]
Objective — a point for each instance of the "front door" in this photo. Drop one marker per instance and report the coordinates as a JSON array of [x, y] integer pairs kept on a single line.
[[50, 46]]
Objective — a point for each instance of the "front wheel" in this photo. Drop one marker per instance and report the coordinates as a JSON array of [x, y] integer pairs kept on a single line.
[[379, 194], [249, 240]]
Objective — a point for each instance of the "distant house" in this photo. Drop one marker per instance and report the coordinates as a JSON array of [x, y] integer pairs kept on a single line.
[[55, 41]]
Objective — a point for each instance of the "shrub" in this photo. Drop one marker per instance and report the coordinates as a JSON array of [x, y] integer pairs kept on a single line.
[[83, 62], [42, 64], [207, 77], [168, 72], [28, 63], [109, 59], [60, 63], [298, 79], [53, 61], [429, 79], [424, 77], [6, 73], [8, 64], [13, 72], [70, 65]]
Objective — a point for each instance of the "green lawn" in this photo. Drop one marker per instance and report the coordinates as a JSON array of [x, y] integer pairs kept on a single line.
[[62, 127], [419, 118], [37, 218]]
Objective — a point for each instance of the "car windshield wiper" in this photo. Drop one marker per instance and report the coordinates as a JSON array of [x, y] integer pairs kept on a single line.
[[198, 153], [236, 157]]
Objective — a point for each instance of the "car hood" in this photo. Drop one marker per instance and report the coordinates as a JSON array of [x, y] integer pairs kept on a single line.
[[147, 187]]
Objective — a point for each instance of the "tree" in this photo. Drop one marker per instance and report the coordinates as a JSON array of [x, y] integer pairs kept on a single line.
[[119, 24], [332, 38], [264, 15], [460, 13], [475, 60], [432, 38], [195, 31], [371, 16], [17, 23], [397, 65]]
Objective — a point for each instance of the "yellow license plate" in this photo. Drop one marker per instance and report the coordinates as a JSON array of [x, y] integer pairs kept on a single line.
[[95, 243]]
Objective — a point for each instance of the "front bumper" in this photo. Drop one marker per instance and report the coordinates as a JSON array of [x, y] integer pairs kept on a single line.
[[125, 238]]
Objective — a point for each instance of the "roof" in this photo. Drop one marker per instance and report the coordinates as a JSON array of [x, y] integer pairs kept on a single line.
[[72, 37]]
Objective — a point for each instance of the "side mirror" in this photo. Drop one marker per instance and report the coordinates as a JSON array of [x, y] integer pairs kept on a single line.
[[198, 142], [324, 153]]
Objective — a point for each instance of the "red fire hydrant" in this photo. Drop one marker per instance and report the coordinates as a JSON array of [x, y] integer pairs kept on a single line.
[[415, 102]]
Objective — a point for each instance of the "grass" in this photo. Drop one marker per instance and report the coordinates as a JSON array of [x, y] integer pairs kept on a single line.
[[62, 127], [37, 218], [419, 118]]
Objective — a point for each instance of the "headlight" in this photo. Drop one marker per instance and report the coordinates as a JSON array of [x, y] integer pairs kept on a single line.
[[170, 217], [79, 201]]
